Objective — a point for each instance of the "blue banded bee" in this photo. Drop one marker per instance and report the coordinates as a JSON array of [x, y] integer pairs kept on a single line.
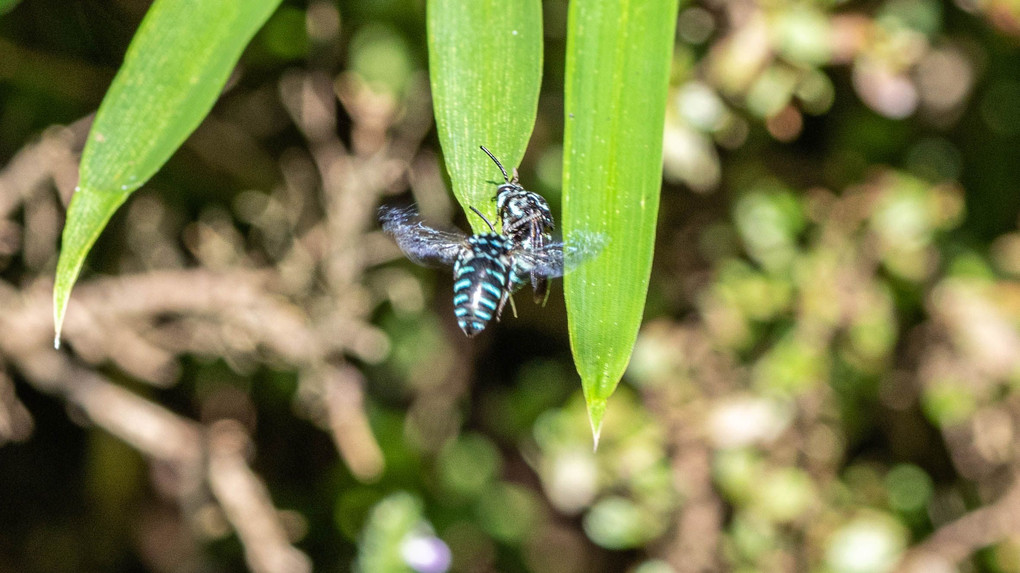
[[487, 268], [526, 221]]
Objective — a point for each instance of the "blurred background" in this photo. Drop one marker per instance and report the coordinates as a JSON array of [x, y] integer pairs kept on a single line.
[[254, 378]]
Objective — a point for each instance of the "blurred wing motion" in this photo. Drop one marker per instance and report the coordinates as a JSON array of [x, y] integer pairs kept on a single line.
[[421, 243], [556, 259]]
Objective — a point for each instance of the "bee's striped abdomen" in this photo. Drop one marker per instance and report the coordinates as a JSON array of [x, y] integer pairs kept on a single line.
[[481, 282]]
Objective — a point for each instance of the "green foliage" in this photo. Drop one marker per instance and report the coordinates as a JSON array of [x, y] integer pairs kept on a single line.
[[175, 68], [485, 68], [388, 527], [825, 378], [618, 61]]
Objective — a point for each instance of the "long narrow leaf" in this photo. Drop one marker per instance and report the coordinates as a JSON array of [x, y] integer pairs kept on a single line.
[[617, 74], [172, 74], [485, 67]]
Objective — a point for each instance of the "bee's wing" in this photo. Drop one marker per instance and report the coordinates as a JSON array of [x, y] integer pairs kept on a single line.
[[554, 259], [421, 243]]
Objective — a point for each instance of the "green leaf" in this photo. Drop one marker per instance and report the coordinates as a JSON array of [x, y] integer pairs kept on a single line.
[[485, 67], [617, 74], [172, 74]]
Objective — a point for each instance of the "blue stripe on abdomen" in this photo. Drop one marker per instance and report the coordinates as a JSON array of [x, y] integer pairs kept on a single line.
[[493, 290], [500, 277]]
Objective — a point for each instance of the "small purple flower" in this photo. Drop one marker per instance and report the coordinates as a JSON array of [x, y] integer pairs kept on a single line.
[[425, 553]]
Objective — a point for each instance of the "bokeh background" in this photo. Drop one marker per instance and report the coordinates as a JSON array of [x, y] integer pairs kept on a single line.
[[253, 377]]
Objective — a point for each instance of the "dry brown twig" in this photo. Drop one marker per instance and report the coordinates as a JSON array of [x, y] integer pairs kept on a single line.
[[246, 503], [248, 312], [168, 438], [957, 540]]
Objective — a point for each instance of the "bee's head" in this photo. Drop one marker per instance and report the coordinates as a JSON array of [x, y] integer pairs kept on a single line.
[[504, 192]]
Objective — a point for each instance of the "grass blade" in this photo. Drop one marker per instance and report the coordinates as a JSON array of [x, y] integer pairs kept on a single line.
[[485, 67], [617, 74], [175, 68]]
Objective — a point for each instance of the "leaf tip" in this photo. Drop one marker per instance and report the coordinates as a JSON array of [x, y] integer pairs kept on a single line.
[[596, 411], [59, 308]]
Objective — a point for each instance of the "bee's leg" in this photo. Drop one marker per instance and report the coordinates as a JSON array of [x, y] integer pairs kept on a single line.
[[535, 228], [502, 302], [541, 287]]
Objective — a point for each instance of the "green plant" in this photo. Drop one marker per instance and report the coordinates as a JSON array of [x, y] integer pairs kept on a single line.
[[485, 71], [486, 62], [485, 68], [175, 68], [618, 59]]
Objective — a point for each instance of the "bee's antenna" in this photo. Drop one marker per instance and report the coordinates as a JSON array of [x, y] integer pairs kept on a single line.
[[498, 164], [479, 213]]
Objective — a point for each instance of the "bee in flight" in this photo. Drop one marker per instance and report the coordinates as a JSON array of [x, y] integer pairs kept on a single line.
[[487, 267], [526, 221]]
